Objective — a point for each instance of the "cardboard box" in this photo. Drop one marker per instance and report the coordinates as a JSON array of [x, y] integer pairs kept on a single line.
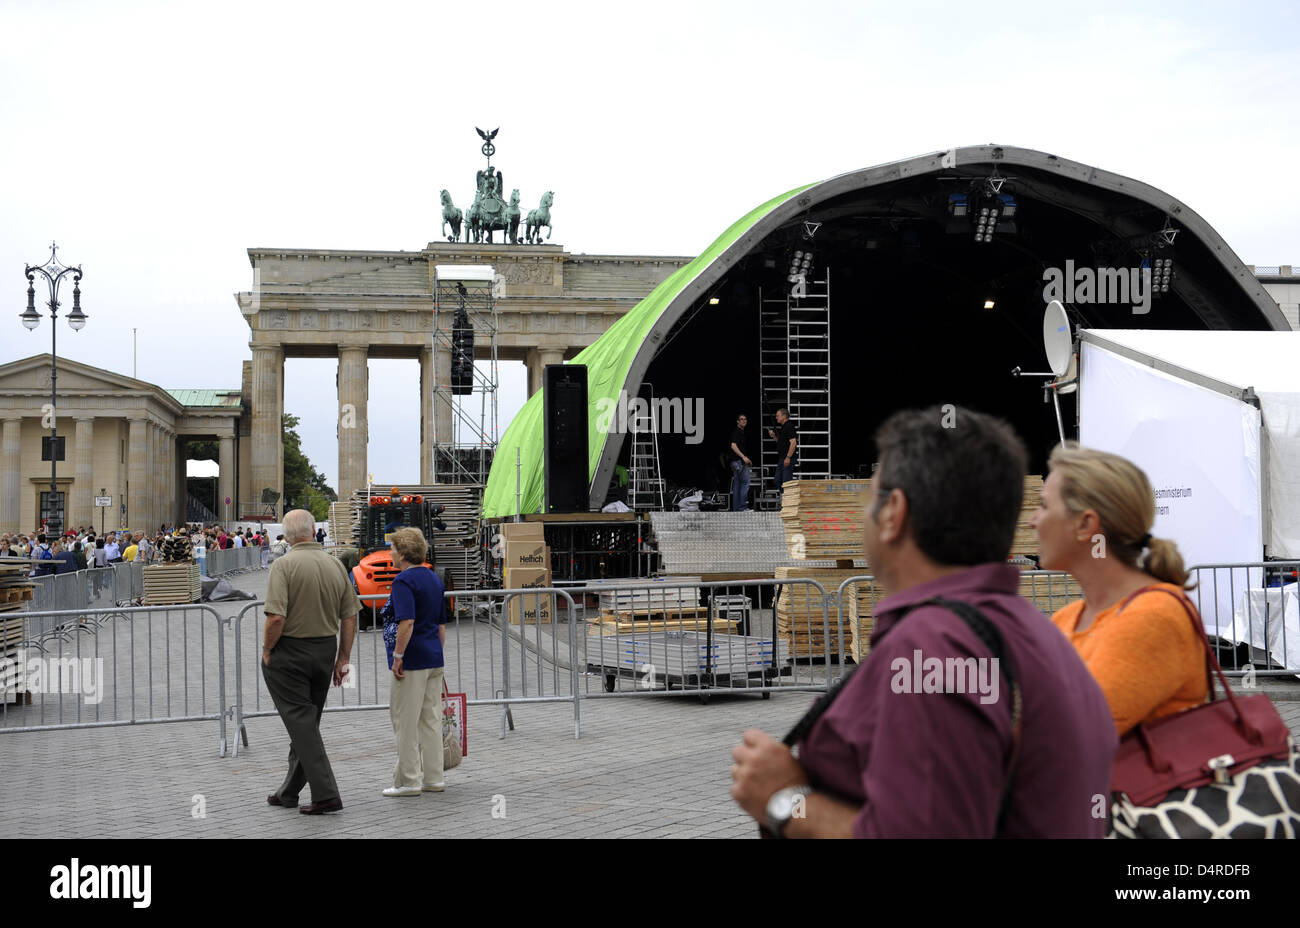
[[527, 553], [518, 578], [512, 531], [536, 609]]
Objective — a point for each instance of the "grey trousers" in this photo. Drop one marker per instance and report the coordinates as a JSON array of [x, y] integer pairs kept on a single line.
[[298, 678]]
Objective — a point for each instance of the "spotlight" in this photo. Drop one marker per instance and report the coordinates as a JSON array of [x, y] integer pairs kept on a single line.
[[988, 304], [713, 301], [957, 204], [1162, 271], [1008, 205]]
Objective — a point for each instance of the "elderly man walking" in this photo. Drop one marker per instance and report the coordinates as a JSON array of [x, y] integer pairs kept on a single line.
[[311, 620]]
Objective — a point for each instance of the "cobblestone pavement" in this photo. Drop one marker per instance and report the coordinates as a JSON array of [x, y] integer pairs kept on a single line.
[[644, 767]]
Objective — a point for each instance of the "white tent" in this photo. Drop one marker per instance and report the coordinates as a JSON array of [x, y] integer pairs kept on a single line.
[[1211, 412], [1213, 417]]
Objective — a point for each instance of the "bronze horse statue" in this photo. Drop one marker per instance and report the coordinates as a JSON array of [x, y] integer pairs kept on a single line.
[[512, 218], [450, 216], [537, 218]]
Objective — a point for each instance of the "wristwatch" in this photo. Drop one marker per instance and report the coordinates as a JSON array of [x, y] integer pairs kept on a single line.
[[781, 807]]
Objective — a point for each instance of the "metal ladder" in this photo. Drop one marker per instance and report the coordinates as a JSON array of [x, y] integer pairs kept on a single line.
[[647, 487], [810, 377], [774, 384]]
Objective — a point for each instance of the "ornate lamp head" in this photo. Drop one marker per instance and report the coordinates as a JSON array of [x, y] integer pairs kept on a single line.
[[76, 318]]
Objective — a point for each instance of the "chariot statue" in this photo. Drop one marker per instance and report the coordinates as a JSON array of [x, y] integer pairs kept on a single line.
[[489, 212]]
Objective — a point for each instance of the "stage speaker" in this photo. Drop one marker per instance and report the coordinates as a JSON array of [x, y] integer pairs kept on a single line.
[[564, 433], [462, 353]]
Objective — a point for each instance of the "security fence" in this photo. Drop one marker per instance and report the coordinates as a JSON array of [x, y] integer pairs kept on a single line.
[[227, 561], [1251, 611], [97, 667], [507, 648]]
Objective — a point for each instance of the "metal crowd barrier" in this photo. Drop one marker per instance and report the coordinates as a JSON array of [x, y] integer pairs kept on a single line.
[[1252, 611], [682, 637], [94, 668], [488, 662], [1048, 590], [227, 561]]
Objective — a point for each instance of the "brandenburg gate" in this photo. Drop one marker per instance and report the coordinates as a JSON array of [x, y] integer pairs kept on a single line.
[[356, 305]]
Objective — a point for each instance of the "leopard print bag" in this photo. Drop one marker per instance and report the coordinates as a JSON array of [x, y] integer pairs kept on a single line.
[[1226, 769]]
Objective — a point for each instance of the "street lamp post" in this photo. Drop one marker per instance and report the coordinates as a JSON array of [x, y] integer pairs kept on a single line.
[[54, 272]]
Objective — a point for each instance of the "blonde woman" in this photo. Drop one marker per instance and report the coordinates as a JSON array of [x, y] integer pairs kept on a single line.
[[1137, 639], [414, 636]]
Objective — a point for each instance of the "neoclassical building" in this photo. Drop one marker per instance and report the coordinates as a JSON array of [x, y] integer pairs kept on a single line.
[[125, 439]]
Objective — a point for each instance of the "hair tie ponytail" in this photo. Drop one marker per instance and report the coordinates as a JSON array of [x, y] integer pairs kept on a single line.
[[1144, 541]]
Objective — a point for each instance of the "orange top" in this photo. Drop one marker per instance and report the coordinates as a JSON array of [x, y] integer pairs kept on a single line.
[[1148, 659]]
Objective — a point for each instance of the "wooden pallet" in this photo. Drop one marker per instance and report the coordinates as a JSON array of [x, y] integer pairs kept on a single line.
[[672, 612], [610, 628], [17, 594]]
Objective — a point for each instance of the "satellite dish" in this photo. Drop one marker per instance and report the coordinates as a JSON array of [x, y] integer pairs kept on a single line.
[[1070, 382], [1058, 341]]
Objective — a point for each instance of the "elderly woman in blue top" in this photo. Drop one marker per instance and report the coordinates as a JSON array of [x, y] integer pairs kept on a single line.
[[414, 635]]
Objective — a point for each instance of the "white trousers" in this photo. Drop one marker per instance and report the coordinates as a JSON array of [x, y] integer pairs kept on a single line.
[[415, 706]]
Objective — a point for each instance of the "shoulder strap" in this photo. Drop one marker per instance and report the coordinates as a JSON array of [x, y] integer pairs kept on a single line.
[[1212, 667], [987, 632]]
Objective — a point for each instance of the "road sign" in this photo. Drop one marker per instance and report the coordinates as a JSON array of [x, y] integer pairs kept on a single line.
[[103, 501], [227, 500]]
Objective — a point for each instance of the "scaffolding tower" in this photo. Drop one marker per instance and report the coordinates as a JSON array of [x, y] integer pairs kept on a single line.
[[465, 455], [794, 339]]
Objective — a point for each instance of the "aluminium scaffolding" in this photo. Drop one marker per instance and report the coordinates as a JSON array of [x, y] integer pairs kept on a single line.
[[794, 338], [468, 403]]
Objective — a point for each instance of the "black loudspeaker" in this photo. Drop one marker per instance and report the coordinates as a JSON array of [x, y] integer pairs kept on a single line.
[[462, 353], [564, 433]]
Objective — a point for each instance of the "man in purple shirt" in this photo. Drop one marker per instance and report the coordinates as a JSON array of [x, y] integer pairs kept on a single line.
[[920, 741]]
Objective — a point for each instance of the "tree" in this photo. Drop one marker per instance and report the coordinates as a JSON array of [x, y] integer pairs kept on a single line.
[[304, 486]]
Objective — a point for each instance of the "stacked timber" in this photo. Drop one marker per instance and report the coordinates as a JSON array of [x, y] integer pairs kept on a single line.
[[799, 619], [644, 605], [823, 518], [16, 589], [860, 615], [1026, 539], [172, 584]]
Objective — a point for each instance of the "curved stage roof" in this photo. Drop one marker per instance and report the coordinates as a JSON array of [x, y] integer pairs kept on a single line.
[[1067, 211]]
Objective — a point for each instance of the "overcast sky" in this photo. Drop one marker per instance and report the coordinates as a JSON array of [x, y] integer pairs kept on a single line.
[[157, 142]]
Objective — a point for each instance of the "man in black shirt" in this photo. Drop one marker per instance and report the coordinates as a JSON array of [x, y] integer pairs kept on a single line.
[[740, 464], [786, 443]]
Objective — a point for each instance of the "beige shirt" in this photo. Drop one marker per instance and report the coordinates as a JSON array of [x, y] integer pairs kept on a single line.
[[311, 590]]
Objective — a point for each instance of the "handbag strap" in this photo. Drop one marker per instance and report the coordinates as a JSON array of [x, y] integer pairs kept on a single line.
[[987, 632], [1249, 730]]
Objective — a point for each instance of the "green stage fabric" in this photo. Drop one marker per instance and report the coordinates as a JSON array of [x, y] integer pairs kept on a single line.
[[609, 360]]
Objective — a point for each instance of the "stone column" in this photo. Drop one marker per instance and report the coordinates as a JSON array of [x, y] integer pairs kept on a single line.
[[11, 466], [81, 505], [353, 422], [226, 478], [537, 359], [137, 472], [268, 437]]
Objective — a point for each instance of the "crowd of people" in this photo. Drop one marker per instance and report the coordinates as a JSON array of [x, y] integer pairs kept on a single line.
[[84, 548]]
